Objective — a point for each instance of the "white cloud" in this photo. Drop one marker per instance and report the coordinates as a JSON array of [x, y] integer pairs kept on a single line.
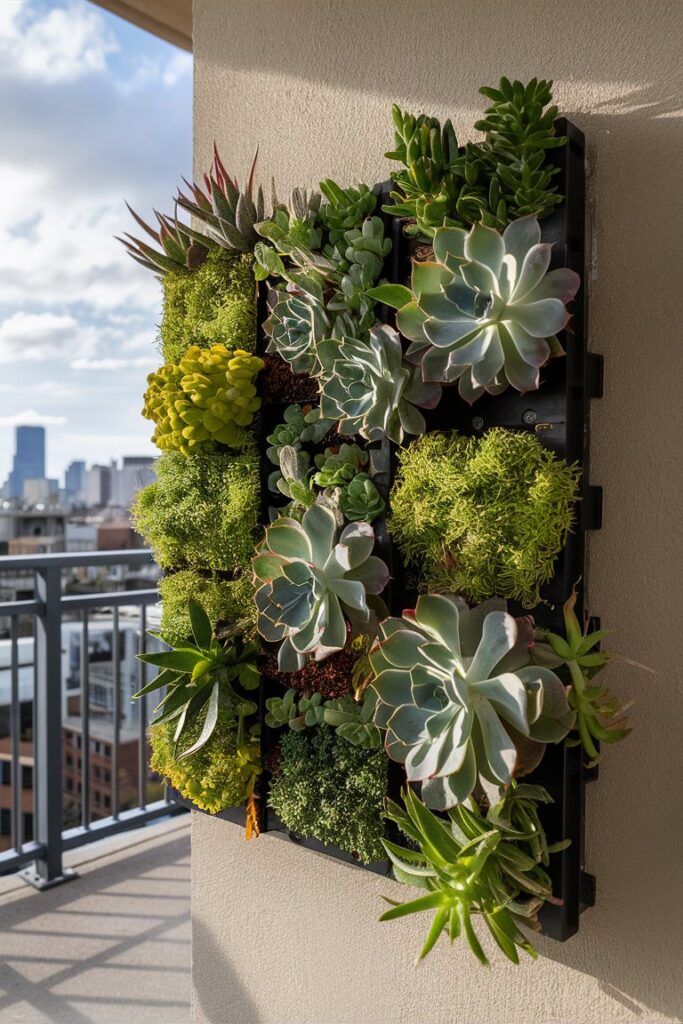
[[60, 44], [40, 336], [31, 418], [110, 364], [178, 66]]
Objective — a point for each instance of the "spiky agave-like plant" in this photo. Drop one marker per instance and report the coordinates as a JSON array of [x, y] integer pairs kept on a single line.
[[369, 389], [228, 214], [485, 311], [455, 693], [473, 864], [309, 582], [179, 247]]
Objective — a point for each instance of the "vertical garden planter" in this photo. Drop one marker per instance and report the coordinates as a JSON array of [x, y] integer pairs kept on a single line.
[[558, 415]]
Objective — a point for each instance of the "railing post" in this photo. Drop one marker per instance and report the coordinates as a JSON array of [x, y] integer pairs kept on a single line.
[[47, 870]]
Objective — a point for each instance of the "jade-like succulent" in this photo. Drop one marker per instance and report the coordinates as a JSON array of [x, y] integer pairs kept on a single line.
[[308, 581], [455, 692], [499, 179], [485, 312], [336, 468], [208, 396], [369, 389], [199, 679], [360, 500], [470, 865], [227, 214], [289, 432], [178, 247], [345, 209], [351, 719]]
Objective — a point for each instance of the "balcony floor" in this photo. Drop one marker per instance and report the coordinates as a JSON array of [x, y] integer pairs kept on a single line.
[[109, 947]]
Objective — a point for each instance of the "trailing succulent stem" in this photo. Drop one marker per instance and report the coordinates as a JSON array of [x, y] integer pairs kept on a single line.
[[600, 717], [471, 864]]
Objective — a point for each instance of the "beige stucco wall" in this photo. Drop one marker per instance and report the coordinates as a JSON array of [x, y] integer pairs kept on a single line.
[[281, 935]]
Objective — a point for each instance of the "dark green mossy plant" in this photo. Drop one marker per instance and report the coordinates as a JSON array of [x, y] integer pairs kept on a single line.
[[202, 510], [327, 788], [483, 516], [217, 775], [216, 303], [222, 600]]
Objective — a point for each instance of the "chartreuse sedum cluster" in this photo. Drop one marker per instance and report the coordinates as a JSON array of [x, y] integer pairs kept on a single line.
[[209, 396]]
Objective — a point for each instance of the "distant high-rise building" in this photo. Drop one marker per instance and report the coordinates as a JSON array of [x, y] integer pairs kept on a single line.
[[99, 486], [29, 459], [75, 483], [41, 490]]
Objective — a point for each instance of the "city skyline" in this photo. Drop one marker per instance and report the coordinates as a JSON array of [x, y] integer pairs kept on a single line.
[[101, 115]]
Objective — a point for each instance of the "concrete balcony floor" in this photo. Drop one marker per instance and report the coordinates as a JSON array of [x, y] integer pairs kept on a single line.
[[109, 947]]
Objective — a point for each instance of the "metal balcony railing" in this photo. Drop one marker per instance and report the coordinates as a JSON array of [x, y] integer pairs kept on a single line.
[[41, 856]]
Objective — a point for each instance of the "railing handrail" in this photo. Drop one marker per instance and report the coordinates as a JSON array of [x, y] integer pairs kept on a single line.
[[70, 560]]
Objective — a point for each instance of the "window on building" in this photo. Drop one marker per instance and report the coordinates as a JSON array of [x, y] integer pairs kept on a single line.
[[107, 801], [69, 784], [5, 822], [26, 776], [107, 750], [98, 798], [69, 761], [107, 776], [5, 773], [28, 827]]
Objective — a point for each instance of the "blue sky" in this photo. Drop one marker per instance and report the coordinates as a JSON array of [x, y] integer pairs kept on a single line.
[[92, 111]]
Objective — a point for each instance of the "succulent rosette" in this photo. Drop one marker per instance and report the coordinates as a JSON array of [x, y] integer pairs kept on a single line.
[[370, 390], [309, 583], [486, 310], [296, 323], [455, 692]]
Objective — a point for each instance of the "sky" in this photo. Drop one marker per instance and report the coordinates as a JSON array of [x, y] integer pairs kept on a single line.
[[92, 111]]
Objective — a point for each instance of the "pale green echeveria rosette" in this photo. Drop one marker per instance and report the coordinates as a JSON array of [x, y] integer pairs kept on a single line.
[[297, 322], [454, 687], [486, 311], [309, 584], [369, 389]]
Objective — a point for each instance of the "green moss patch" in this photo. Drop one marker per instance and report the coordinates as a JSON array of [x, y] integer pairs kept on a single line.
[[483, 516], [216, 303], [202, 511], [326, 788], [222, 600]]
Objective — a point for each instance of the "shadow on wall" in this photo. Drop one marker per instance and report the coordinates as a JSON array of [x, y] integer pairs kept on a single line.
[[617, 76], [209, 998]]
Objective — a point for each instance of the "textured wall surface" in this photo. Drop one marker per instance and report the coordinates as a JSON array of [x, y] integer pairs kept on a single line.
[[280, 934]]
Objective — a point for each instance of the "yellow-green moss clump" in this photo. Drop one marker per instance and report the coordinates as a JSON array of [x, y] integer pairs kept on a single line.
[[485, 516], [215, 777], [216, 303], [222, 600], [202, 511]]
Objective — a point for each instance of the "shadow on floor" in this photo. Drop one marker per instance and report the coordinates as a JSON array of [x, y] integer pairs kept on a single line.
[[111, 946]]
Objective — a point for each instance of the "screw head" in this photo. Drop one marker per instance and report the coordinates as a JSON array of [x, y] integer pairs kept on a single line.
[[529, 416], [477, 422]]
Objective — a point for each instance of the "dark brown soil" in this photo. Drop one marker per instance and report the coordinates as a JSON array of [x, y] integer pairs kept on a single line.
[[279, 384], [331, 677]]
